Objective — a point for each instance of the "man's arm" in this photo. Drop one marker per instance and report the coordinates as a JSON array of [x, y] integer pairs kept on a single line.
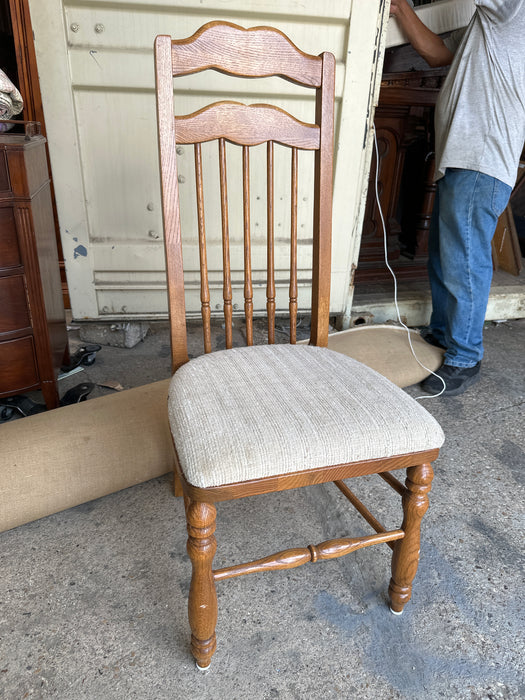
[[428, 45]]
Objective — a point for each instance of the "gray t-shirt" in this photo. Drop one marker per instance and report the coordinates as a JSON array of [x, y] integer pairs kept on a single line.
[[480, 112]]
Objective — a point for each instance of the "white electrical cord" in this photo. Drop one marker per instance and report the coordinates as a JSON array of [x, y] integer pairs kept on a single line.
[[431, 396]]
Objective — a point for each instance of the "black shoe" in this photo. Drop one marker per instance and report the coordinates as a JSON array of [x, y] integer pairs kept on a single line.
[[429, 337], [457, 380]]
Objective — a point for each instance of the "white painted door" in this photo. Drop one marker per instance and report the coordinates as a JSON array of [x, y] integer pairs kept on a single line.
[[96, 70]]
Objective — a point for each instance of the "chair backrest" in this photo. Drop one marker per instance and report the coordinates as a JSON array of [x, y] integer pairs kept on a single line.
[[255, 53]]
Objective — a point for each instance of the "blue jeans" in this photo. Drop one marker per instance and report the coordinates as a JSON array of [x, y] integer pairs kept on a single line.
[[466, 211]]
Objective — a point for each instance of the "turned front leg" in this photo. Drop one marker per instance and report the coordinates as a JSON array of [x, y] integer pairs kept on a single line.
[[405, 558], [202, 602]]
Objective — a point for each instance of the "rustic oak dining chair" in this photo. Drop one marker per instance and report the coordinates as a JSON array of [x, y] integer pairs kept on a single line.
[[262, 418]]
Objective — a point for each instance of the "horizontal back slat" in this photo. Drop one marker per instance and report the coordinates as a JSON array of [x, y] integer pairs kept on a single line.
[[246, 125], [255, 52]]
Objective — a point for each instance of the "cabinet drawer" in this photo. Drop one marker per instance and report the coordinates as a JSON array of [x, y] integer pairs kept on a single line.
[[17, 365], [14, 314], [9, 250]]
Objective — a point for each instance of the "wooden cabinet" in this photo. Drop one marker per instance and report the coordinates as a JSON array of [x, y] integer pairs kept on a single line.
[[33, 334], [404, 128]]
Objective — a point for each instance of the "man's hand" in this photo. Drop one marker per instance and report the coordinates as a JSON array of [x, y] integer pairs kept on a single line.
[[397, 7], [429, 45]]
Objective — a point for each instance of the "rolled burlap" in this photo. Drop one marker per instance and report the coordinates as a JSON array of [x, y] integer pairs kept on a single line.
[[61, 458]]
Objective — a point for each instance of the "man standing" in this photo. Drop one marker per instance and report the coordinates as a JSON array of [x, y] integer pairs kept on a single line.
[[480, 132]]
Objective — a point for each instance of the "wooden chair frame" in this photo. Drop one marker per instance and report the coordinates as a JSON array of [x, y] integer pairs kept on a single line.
[[262, 52]]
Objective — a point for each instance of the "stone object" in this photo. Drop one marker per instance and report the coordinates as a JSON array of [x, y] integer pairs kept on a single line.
[[118, 335]]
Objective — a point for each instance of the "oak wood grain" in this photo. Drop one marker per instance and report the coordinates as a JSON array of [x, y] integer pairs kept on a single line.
[[203, 261], [255, 52], [245, 125], [270, 238], [170, 195], [248, 285], [293, 249], [307, 477], [361, 508], [261, 52], [405, 559], [227, 276], [202, 601], [292, 558]]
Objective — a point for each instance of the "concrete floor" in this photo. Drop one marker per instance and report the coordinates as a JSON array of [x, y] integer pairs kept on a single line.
[[93, 599]]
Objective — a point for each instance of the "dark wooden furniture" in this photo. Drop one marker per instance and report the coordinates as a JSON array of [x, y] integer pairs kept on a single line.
[[404, 128], [267, 445], [507, 252], [33, 334], [17, 48]]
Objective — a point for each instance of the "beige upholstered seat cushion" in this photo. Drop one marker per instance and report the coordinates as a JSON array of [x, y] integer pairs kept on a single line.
[[255, 412]]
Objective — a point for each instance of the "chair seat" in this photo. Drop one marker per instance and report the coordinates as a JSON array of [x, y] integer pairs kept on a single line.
[[254, 412]]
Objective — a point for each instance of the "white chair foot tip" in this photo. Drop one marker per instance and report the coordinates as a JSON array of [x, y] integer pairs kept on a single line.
[[394, 612]]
